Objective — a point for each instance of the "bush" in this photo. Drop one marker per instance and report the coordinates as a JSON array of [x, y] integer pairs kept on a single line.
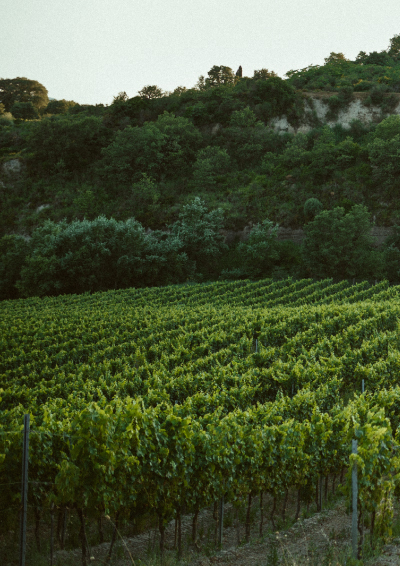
[[391, 255], [70, 143], [13, 252], [200, 234], [159, 149], [211, 162], [107, 254], [84, 256], [258, 254], [339, 245], [312, 207]]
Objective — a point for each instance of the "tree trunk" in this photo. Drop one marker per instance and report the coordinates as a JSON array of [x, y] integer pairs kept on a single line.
[[82, 535], [100, 529], [273, 513], [179, 535], [64, 529], [175, 532], [216, 519], [37, 527], [361, 531], [285, 505], [237, 521], [317, 495], [114, 538], [248, 520], [298, 505], [326, 488], [261, 514], [372, 529], [333, 484], [194, 526], [341, 476], [161, 528], [60, 517]]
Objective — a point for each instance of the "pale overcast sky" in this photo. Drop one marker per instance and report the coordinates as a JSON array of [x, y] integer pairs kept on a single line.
[[89, 50]]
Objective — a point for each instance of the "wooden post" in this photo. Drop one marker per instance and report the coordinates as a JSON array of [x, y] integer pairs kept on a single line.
[[24, 492], [354, 534]]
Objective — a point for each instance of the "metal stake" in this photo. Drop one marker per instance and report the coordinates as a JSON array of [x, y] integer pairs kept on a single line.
[[354, 534], [362, 386], [24, 492]]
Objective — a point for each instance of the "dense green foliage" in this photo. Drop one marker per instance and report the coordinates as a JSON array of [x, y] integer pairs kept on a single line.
[[156, 399], [101, 254], [148, 156]]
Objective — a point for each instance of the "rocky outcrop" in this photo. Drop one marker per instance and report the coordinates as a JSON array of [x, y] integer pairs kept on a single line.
[[12, 167], [317, 111]]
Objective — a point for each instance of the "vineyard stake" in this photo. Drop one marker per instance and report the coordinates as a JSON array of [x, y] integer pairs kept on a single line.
[[24, 492], [221, 521], [354, 536]]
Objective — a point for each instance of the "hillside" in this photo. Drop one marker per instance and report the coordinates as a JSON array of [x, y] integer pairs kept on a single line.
[[148, 155], [254, 152]]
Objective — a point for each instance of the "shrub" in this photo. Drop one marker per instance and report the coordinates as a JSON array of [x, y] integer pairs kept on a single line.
[[340, 245], [312, 207]]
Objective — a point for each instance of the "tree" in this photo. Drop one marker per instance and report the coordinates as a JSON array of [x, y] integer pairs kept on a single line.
[[335, 58], [84, 256], [121, 97], [259, 253], [312, 207], [22, 89], [163, 148], [24, 111], [13, 252], [211, 162], [200, 233], [151, 91], [374, 58], [394, 46], [66, 142], [248, 139], [220, 75], [179, 90], [340, 245], [263, 74], [384, 150], [59, 106]]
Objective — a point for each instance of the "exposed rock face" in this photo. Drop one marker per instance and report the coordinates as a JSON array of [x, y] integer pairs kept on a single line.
[[42, 207], [317, 106], [12, 167]]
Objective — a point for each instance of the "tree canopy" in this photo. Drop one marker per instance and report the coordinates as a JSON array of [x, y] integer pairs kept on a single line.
[[22, 89]]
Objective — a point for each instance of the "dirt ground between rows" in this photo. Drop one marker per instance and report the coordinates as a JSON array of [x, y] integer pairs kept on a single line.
[[321, 539]]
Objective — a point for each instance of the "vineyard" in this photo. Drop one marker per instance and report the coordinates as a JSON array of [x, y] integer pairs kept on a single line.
[[165, 400]]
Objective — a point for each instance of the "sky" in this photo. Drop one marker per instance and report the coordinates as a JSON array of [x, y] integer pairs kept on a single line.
[[90, 50]]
